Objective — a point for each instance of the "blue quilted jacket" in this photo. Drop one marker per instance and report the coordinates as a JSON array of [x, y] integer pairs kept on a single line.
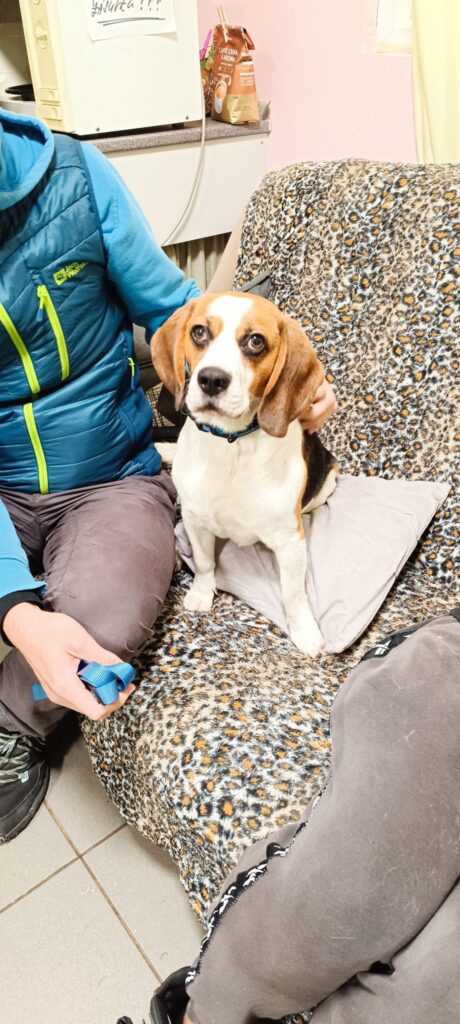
[[78, 265]]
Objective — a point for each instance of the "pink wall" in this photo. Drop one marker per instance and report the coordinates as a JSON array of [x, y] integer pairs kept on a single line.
[[331, 96]]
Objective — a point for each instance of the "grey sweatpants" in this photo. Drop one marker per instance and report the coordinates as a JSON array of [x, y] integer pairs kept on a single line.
[[310, 915], [108, 555]]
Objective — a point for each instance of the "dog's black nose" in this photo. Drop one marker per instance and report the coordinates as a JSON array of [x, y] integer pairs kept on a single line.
[[212, 380]]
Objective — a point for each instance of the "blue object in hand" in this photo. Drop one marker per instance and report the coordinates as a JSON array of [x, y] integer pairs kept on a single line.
[[104, 681]]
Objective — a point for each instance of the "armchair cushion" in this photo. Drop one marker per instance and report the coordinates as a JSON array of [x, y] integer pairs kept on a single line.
[[357, 544]]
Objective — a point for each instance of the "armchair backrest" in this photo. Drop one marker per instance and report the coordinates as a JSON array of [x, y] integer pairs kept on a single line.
[[366, 257]]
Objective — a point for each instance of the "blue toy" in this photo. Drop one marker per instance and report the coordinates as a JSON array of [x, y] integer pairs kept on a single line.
[[104, 681]]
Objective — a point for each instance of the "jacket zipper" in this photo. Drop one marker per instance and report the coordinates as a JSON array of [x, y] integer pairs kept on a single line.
[[132, 367], [21, 349], [47, 304], [34, 385], [37, 447]]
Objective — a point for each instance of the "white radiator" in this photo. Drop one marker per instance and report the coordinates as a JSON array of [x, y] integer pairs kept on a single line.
[[9, 11], [198, 259]]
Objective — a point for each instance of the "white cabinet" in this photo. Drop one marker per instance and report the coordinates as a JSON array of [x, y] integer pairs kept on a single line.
[[161, 178]]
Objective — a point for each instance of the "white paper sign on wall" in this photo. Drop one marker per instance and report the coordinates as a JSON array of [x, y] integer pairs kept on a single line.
[[110, 18]]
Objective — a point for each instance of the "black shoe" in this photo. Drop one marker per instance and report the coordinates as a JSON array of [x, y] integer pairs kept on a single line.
[[24, 778], [169, 1001]]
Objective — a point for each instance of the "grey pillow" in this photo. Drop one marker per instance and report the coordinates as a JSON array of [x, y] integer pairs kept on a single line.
[[260, 285], [357, 544]]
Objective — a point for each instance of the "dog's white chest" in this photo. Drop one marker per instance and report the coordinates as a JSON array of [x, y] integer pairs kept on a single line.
[[244, 490]]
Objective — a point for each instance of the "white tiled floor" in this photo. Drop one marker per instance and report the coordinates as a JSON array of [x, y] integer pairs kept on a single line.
[[91, 915]]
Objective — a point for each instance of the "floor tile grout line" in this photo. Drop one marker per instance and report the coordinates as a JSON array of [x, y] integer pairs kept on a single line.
[[99, 842], [93, 846], [122, 921], [60, 826], [33, 888], [110, 902]]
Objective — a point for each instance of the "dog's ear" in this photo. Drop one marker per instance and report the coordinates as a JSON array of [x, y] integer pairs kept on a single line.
[[168, 351], [293, 383]]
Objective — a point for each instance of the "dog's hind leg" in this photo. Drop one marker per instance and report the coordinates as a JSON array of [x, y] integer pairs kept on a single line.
[[327, 489]]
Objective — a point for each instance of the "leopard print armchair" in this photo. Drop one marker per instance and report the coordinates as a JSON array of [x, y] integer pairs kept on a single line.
[[227, 736]]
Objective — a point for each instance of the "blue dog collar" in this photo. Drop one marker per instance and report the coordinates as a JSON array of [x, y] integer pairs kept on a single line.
[[207, 429]]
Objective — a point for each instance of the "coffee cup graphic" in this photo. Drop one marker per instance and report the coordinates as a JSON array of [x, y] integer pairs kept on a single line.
[[220, 93]]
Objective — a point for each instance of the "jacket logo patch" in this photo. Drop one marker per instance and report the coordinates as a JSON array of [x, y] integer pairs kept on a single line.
[[65, 273]]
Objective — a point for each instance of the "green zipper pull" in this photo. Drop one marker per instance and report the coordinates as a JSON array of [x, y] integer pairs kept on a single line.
[[41, 292], [132, 365]]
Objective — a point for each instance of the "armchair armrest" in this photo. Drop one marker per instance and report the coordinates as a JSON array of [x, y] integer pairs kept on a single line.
[[222, 280]]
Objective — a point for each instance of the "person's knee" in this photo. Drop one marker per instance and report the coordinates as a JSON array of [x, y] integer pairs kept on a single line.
[[398, 686], [119, 623], [119, 611]]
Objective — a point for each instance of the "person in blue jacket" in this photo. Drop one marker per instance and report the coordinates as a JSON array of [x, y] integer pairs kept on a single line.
[[82, 496]]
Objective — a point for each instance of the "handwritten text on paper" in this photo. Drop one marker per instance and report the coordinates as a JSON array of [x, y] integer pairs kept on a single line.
[[108, 18]]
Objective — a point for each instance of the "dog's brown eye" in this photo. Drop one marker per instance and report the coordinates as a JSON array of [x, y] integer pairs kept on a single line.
[[200, 335], [255, 344]]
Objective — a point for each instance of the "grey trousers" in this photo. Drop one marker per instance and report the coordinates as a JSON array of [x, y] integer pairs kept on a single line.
[[310, 915], [108, 555]]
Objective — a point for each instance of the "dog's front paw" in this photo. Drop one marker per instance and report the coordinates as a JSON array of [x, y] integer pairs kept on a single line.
[[198, 600], [306, 636]]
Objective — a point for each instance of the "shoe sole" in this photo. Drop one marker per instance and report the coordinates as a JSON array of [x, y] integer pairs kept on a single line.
[[43, 782]]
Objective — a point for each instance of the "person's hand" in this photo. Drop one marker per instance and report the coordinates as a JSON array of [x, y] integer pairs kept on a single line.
[[324, 405], [53, 645]]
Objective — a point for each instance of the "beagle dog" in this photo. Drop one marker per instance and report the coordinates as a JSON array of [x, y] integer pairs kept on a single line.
[[244, 469]]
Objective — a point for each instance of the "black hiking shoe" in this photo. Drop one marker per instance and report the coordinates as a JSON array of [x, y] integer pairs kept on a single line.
[[24, 778], [169, 1001]]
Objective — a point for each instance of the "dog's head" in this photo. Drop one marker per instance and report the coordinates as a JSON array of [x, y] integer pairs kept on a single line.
[[242, 358]]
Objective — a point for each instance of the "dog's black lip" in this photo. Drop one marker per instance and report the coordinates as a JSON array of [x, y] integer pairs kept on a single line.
[[209, 408], [206, 408]]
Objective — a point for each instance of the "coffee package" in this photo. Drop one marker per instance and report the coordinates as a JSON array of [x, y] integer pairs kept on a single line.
[[233, 81]]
